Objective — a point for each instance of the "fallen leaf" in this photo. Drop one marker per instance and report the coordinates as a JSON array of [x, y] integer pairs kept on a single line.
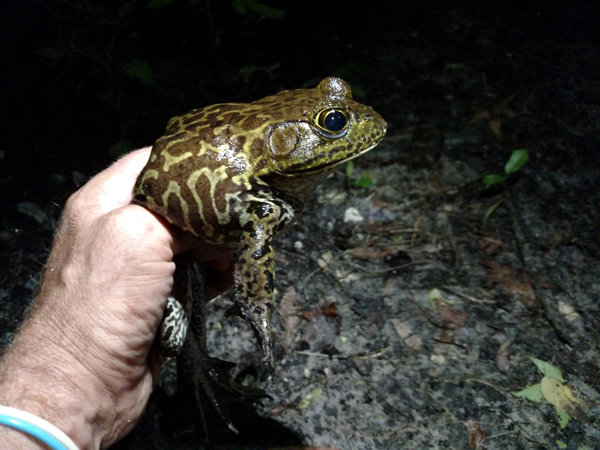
[[289, 313], [561, 396], [547, 369], [403, 329], [502, 359], [475, 434], [279, 409], [380, 203], [310, 397], [325, 259], [513, 282], [490, 245], [308, 315], [494, 114], [330, 311], [563, 417], [451, 318], [370, 252], [532, 393]]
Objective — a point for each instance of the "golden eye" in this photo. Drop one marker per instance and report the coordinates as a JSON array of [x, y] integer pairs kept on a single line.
[[333, 121]]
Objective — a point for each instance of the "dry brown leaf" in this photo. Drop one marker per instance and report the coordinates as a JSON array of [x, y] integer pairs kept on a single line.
[[279, 409], [308, 315], [370, 252], [502, 359], [451, 318], [476, 434], [380, 203], [494, 115], [406, 333], [513, 282], [490, 245], [330, 311], [289, 312]]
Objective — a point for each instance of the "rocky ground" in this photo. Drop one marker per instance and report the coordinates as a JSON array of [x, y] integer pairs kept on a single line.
[[411, 296]]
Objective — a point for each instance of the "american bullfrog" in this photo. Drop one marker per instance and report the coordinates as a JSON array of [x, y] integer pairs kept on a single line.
[[235, 174]]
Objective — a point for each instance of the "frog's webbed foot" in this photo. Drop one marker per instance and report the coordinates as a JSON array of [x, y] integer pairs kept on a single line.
[[206, 378], [210, 381], [254, 272]]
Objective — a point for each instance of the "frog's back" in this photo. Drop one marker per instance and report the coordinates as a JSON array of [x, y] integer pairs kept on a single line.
[[211, 161]]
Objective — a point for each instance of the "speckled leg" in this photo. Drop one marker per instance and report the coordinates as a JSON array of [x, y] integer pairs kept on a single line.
[[208, 378], [254, 273], [173, 328]]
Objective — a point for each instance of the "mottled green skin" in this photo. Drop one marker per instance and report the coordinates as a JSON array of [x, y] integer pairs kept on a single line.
[[234, 174]]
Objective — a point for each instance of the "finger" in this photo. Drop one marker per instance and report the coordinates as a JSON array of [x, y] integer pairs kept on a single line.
[[112, 187]]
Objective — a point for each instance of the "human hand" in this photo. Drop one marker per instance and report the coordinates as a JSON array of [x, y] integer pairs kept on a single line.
[[83, 358]]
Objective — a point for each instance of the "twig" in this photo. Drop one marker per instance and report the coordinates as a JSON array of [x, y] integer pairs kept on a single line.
[[390, 269], [494, 436], [468, 297], [323, 355]]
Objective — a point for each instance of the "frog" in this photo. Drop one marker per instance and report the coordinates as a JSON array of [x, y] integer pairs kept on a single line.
[[233, 175]]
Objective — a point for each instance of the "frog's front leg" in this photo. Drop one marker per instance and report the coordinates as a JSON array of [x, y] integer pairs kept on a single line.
[[254, 271]]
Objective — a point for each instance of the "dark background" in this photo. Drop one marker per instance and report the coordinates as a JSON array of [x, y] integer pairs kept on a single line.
[[71, 104], [461, 84]]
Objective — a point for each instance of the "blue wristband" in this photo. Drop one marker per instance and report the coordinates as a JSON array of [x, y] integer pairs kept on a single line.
[[37, 427]]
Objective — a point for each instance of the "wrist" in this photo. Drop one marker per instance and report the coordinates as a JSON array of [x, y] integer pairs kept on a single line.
[[52, 385]]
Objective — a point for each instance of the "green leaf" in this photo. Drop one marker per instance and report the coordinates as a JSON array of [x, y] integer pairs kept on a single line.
[[517, 159], [155, 4], [533, 393], [363, 182], [349, 168], [548, 369], [563, 417], [247, 72], [357, 91], [49, 53], [127, 9], [492, 179], [239, 6], [139, 70], [262, 10], [310, 397], [561, 444], [266, 12]]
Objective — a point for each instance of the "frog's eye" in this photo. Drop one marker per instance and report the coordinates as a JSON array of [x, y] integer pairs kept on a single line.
[[332, 122]]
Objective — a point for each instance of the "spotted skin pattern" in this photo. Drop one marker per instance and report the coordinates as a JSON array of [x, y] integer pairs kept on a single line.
[[234, 174], [173, 329]]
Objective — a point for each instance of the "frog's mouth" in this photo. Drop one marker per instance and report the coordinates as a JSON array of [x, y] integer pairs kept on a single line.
[[323, 164]]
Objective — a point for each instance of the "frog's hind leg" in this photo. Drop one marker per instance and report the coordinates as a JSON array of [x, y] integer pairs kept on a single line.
[[254, 272], [173, 328], [208, 378]]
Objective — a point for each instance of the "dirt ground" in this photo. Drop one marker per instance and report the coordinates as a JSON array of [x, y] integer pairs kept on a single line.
[[409, 310]]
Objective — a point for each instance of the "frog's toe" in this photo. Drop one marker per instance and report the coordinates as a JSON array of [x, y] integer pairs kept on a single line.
[[210, 381], [173, 328], [259, 318], [262, 331]]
